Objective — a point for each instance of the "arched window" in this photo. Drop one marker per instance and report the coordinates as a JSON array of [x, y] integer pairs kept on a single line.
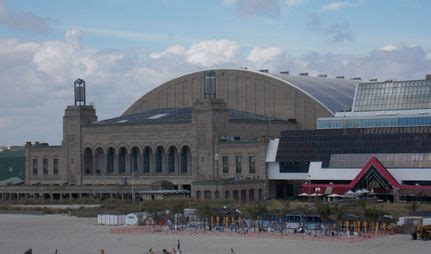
[[172, 159], [185, 159], [122, 160], [160, 157], [251, 195], [135, 159], [147, 158], [88, 161], [110, 157], [99, 161]]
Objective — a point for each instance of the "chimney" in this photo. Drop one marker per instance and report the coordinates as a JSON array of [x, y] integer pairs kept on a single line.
[[428, 77]]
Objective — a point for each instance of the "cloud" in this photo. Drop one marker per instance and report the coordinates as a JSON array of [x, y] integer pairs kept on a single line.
[[204, 53], [171, 51], [338, 31], [207, 53], [37, 77], [23, 21], [389, 48], [261, 56], [335, 6]]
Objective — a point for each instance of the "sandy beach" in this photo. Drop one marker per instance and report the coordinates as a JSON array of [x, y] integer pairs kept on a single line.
[[46, 233]]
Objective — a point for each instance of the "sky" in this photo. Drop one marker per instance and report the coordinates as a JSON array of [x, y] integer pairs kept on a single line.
[[125, 48]]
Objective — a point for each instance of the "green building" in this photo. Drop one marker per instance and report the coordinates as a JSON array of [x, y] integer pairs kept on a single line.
[[11, 167]]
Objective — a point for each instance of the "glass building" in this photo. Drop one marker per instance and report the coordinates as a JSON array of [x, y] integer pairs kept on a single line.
[[385, 104], [393, 95], [397, 121]]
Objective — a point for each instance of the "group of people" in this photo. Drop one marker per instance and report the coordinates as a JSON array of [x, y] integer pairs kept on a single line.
[[165, 251], [175, 250]]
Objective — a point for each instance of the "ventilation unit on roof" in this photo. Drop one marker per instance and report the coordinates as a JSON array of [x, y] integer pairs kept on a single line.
[[264, 70], [303, 74], [284, 72], [340, 77], [322, 76], [357, 78], [373, 80]]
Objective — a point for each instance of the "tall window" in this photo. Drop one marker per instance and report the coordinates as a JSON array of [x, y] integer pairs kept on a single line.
[[172, 155], [251, 164], [110, 161], [35, 166], [147, 157], [55, 166], [122, 160], [209, 84], [225, 162], [159, 160], [45, 166], [238, 164], [185, 159]]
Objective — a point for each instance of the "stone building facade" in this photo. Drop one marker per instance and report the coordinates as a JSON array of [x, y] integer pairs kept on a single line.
[[206, 132]]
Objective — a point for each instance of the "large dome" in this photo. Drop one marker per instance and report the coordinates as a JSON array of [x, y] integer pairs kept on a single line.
[[277, 95]]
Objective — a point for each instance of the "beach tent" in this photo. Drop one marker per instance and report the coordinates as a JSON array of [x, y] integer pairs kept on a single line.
[[349, 194], [135, 219]]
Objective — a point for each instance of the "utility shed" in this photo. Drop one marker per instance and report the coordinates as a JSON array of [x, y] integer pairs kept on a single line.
[[11, 167]]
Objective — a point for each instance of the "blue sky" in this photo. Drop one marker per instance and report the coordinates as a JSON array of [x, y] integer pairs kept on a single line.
[[125, 48]]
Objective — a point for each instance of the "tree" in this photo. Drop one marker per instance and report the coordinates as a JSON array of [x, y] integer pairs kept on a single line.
[[413, 207], [324, 211], [372, 214], [255, 212], [339, 215], [205, 212]]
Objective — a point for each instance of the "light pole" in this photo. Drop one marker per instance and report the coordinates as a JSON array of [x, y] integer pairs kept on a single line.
[[309, 188]]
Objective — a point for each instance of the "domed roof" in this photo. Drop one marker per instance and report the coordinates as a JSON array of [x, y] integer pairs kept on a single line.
[[332, 94]]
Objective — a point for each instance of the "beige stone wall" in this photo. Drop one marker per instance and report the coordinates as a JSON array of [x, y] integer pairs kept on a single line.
[[40, 153], [244, 191], [241, 90], [231, 150]]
